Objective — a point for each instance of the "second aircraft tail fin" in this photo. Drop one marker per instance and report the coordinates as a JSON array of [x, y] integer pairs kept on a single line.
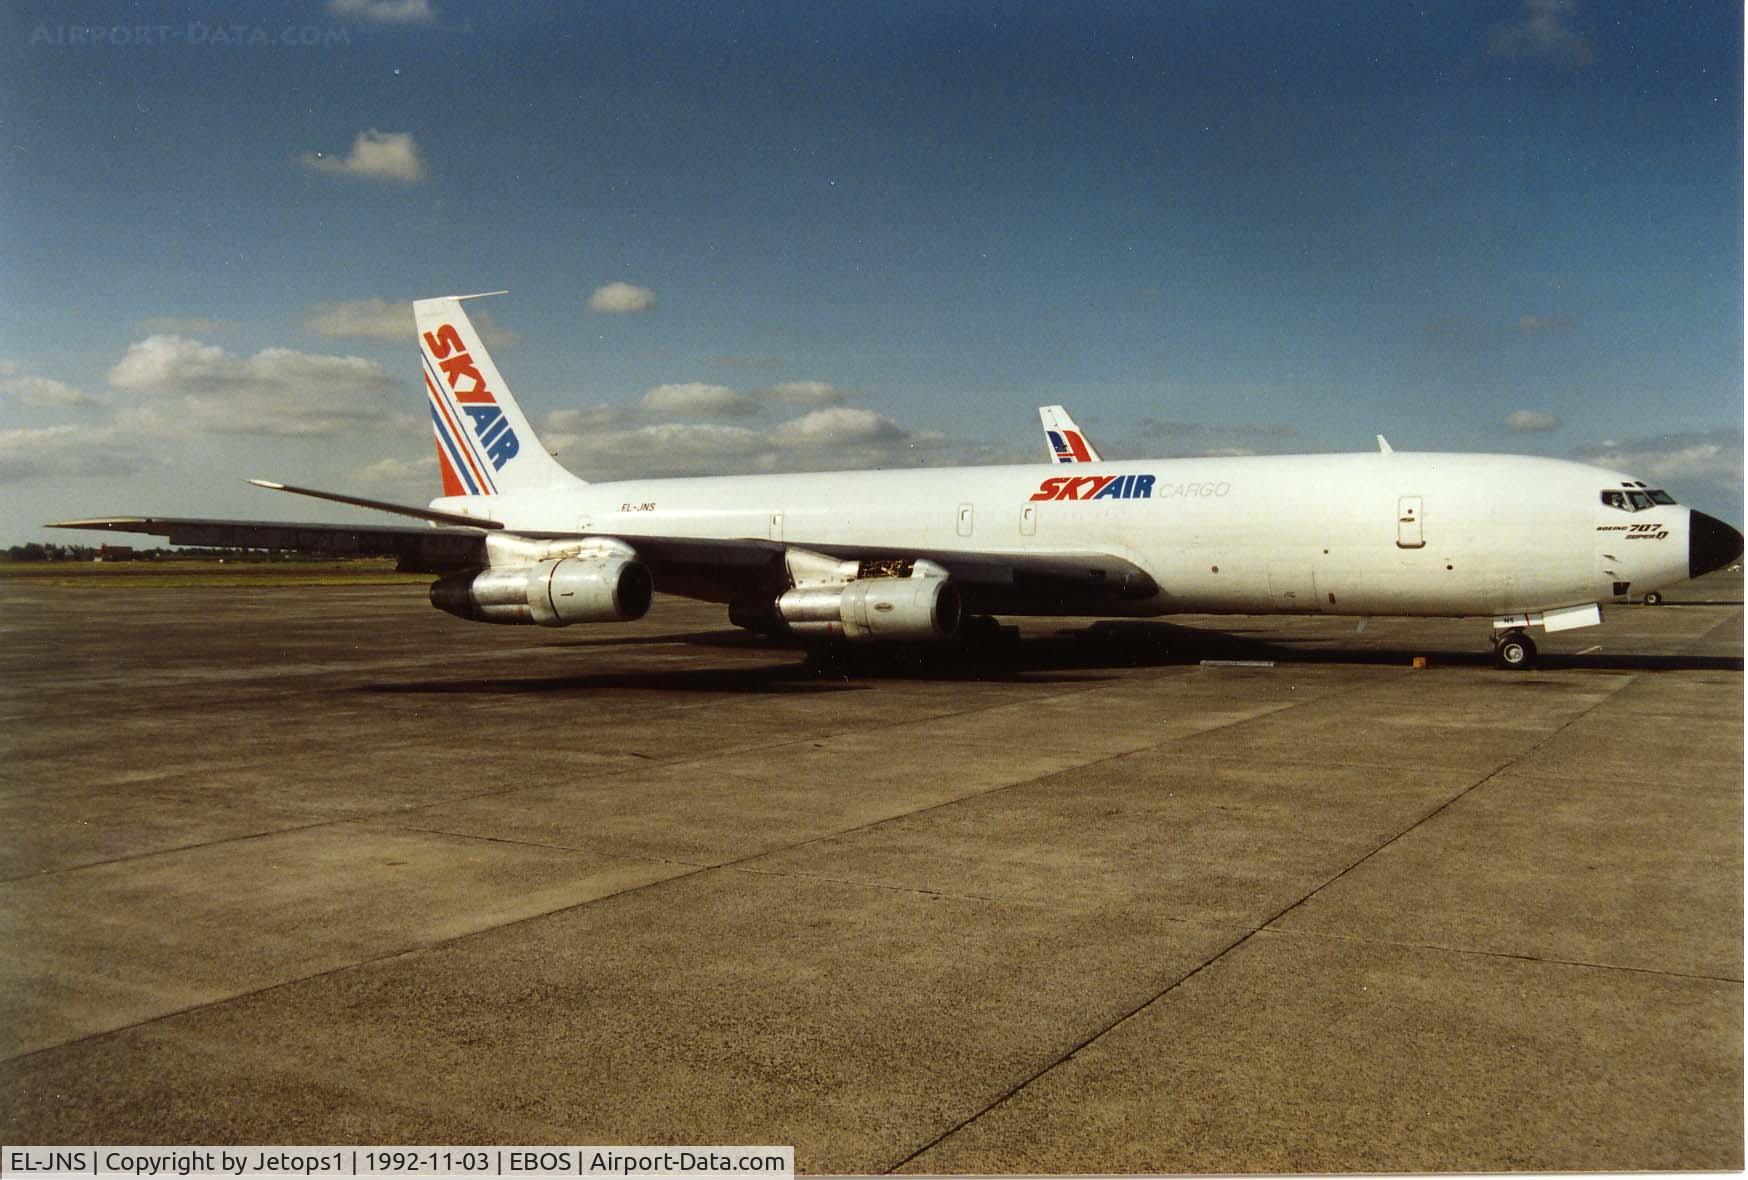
[[1064, 440]]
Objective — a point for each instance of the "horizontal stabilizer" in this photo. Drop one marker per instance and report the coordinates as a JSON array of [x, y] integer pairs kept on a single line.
[[429, 514]]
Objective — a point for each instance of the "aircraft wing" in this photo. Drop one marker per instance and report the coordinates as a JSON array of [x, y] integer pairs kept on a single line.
[[730, 570], [424, 548], [1022, 583], [715, 570]]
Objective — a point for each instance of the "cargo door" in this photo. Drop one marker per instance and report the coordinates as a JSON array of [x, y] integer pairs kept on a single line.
[[1409, 533]]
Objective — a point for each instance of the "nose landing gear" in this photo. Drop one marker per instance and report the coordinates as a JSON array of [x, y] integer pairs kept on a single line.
[[1514, 650]]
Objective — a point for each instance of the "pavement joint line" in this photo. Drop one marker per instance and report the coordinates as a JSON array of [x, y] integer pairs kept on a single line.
[[370, 960], [1511, 761], [614, 896], [606, 773], [737, 864], [40, 874], [654, 860], [1482, 952], [1733, 621], [888, 887], [998, 787], [1246, 937]]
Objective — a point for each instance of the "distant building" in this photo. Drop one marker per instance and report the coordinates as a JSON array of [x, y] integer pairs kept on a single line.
[[115, 553]]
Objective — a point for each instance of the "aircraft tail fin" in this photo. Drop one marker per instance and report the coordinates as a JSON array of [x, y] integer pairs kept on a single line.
[[485, 446], [1065, 441]]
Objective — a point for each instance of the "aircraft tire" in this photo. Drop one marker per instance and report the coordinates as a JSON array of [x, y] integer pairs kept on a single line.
[[1514, 651], [1654, 599]]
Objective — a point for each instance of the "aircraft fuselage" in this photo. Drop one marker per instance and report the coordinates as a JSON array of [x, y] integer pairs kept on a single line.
[[1354, 534]]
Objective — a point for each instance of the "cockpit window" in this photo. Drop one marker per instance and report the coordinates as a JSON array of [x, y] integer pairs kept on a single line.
[[1632, 500]]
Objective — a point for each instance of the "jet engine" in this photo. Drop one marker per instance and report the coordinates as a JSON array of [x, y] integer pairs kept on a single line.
[[873, 610], [553, 593]]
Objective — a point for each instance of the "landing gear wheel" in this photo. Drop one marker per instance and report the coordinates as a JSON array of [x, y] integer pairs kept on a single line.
[[1514, 651], [1654, 599]]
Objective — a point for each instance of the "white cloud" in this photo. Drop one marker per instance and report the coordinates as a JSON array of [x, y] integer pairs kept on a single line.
[[27, 452], [183, 326], [838, 426], [392, 471], [823, 440], [621, 299], [389, 320], [384, 12], [159, 364], [1542, 29], [1542, 325], [807, 393], [697, 399], [375, 155], [399, 480], [567, 424], [1714, 457], [277, 392], [1179, 439], [43, 391], [662, 449], [1527, 421], [562, 430], [758, 361], [370, 319]]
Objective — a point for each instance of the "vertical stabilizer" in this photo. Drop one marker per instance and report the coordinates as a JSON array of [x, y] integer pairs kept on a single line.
[[485, 447], [1065, 441]]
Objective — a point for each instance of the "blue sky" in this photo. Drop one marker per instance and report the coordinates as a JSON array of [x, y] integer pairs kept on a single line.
[[861, 235]]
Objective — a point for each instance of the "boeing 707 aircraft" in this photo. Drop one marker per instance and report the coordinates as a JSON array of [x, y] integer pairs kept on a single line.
[[864, 557]]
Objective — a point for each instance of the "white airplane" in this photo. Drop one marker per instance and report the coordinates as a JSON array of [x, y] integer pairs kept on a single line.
[[863, 557], [1065, 442]]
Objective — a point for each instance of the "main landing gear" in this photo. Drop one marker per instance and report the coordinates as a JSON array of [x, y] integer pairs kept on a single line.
[[1514, 650]]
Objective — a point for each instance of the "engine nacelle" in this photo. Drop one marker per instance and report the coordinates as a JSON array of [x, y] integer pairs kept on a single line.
[[872, 610], [552, 594]]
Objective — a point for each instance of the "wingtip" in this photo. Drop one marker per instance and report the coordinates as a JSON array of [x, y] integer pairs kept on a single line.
[[268, 484], [96, 522]]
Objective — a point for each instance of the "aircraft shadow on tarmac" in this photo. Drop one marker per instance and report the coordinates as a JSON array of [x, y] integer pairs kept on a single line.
[[1065, 655], [1138, 643], [769, 679]]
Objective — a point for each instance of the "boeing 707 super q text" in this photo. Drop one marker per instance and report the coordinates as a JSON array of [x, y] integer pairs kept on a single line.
[[865, 557]]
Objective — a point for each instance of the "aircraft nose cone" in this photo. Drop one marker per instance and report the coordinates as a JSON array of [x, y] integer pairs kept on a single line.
[[1711, 544]]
